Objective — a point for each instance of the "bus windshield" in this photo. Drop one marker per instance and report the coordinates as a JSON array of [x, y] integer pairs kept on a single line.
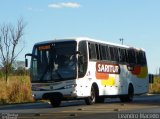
[[54, 62]]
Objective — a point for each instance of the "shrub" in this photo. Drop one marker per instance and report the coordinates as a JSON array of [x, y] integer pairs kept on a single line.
[[155, 87], [16, 90]]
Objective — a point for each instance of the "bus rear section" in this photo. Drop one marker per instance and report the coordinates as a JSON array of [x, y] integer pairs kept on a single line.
[[117, 70]]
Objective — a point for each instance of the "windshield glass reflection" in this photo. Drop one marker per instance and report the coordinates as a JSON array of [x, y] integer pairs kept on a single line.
[[54, 62]]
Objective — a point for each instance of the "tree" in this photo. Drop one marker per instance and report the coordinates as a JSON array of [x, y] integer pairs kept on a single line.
[[10, 37]]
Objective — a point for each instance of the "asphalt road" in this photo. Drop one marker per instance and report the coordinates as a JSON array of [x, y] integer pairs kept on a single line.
[[147, 106]]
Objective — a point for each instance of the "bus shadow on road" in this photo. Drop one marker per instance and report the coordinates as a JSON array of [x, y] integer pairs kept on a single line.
[[138, 100]]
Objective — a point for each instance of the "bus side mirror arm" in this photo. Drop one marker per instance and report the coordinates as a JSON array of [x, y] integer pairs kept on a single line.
[[26, 60], [29, 54], [78, 52]]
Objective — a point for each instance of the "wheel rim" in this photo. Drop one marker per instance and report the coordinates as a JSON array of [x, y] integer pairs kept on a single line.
[[93, 95]]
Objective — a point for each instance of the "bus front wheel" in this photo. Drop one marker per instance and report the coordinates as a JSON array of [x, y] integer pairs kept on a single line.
[[55, 102], [92, 98]]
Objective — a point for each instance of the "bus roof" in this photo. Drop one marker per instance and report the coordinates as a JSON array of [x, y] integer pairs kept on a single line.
[[87, 39]]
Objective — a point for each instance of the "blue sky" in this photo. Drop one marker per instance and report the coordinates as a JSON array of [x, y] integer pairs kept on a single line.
[[136, 21]]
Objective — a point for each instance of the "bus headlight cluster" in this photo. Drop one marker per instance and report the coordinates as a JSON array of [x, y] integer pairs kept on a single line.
[[70, 86], [33, 95]]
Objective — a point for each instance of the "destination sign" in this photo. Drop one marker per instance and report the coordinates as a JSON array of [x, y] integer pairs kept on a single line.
[[45, 47]]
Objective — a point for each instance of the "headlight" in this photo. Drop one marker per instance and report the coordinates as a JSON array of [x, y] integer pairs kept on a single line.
[[70, 86], [33, 95]]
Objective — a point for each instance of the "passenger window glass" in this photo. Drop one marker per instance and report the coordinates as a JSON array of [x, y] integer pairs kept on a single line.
[[92, 51]]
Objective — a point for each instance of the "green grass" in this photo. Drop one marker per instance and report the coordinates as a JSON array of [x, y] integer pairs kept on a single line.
[[16, 90]]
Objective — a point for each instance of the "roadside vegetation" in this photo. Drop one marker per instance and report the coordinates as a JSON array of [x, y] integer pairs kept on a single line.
[[155, 86], [14, 82], [17, 89]]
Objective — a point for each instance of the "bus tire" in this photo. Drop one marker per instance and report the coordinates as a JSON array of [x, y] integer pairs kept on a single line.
[[92, 98], [100, 99], [55, 102], [129, 96]]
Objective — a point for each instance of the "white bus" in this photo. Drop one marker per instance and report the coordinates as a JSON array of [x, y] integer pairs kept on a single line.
[[84, 68]]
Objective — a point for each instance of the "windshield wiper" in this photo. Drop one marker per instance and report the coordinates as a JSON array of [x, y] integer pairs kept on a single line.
[[44, 73], [59, 75]]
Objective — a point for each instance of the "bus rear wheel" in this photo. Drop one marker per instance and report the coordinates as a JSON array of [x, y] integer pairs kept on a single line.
[[92, 98], [55, 102], [129, 96]]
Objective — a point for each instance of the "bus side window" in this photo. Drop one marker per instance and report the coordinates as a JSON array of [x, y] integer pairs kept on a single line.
[[89, 50], [82, 68], [111, 49], [143, 58], [116, 54], [92, 51], [138, 57], [131, 56], [103, 52], [121, 55], [135, 56], [108, 52], [98, 52], [126, 56]]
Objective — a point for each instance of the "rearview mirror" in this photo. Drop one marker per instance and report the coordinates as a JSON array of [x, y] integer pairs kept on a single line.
[[77, 52], [26, 62], [81, 59], [130, 68]]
